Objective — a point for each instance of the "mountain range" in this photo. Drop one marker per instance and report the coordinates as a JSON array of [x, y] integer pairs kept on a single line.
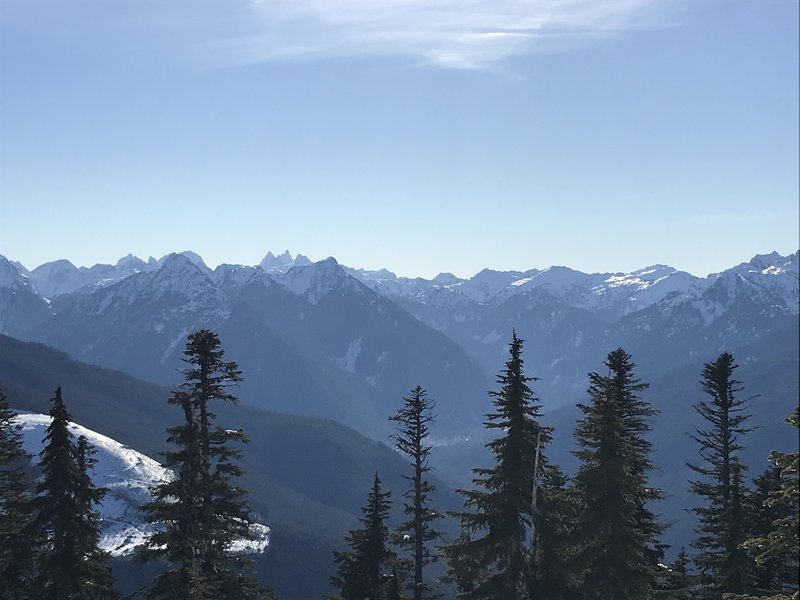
[[329, 340], [325, 340]]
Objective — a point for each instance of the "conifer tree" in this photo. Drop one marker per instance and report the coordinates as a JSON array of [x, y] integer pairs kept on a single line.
[[71, 565], [200, 512], [17, 541], [362, 571], [723, 564], [768, 574], [464, 570], [775, 542], [97, 572], [417, 530], [495, 543], [618, 546], [676, 581], [552, 575]]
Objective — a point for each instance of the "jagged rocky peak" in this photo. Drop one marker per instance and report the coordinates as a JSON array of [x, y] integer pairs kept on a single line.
[[283, 262], [301, 261], [10, 274], [132, 264], [21, 268], [776, 264]]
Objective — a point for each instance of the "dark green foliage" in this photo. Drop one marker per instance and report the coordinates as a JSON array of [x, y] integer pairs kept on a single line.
[[70, 565], [200, 513], [723, 564], [464, 569], [552, 573], [393, 586], [17, 543], [675, 581], [618, 547], [417, 530], [770, 573], [363, 571], [775, 540], [492, 559]]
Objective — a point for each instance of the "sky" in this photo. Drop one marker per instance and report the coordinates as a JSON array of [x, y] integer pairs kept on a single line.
[[419, 135]]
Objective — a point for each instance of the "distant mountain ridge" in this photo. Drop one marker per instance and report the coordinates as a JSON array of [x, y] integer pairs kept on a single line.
[[317, 340], [329, 340], [623, 292]]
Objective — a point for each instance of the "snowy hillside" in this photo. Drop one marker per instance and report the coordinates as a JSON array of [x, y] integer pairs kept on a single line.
[[128, 475]]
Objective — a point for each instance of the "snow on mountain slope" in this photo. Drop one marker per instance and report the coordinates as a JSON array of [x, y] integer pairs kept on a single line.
[[11, 276], [58, 277], [315, 281], [21, 306], [128, 476]]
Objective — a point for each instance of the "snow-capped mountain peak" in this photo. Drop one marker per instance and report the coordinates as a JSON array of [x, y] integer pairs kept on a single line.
[[314, 281], [57, 277], [192, 257]]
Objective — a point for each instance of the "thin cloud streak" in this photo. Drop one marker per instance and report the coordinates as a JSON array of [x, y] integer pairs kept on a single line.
[[468, 34]]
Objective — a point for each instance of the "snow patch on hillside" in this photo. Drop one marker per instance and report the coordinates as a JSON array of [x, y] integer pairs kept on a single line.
[[348, 361], [128, 475]]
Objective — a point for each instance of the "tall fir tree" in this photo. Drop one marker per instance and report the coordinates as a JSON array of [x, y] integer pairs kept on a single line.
[[723, 563], [368, 568], [200, 512], [417, 531], [498, 515], [71, 565], [618, 546], [18, 542]]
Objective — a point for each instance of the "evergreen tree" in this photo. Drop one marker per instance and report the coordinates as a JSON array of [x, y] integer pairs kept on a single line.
[[552, 576], [768, 575], [394, 586], [200, 512], [676, 581], [71, 566], [361, 570], [618, 547], [464, 569], [495, 544], [17, 542], [776, 536], [417, 530], [723, 563], [97, 572]]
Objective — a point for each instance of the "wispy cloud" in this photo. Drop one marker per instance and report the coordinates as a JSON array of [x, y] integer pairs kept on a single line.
[[464, 34]]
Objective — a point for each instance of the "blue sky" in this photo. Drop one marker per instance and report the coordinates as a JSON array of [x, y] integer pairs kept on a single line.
[[419, 135]]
